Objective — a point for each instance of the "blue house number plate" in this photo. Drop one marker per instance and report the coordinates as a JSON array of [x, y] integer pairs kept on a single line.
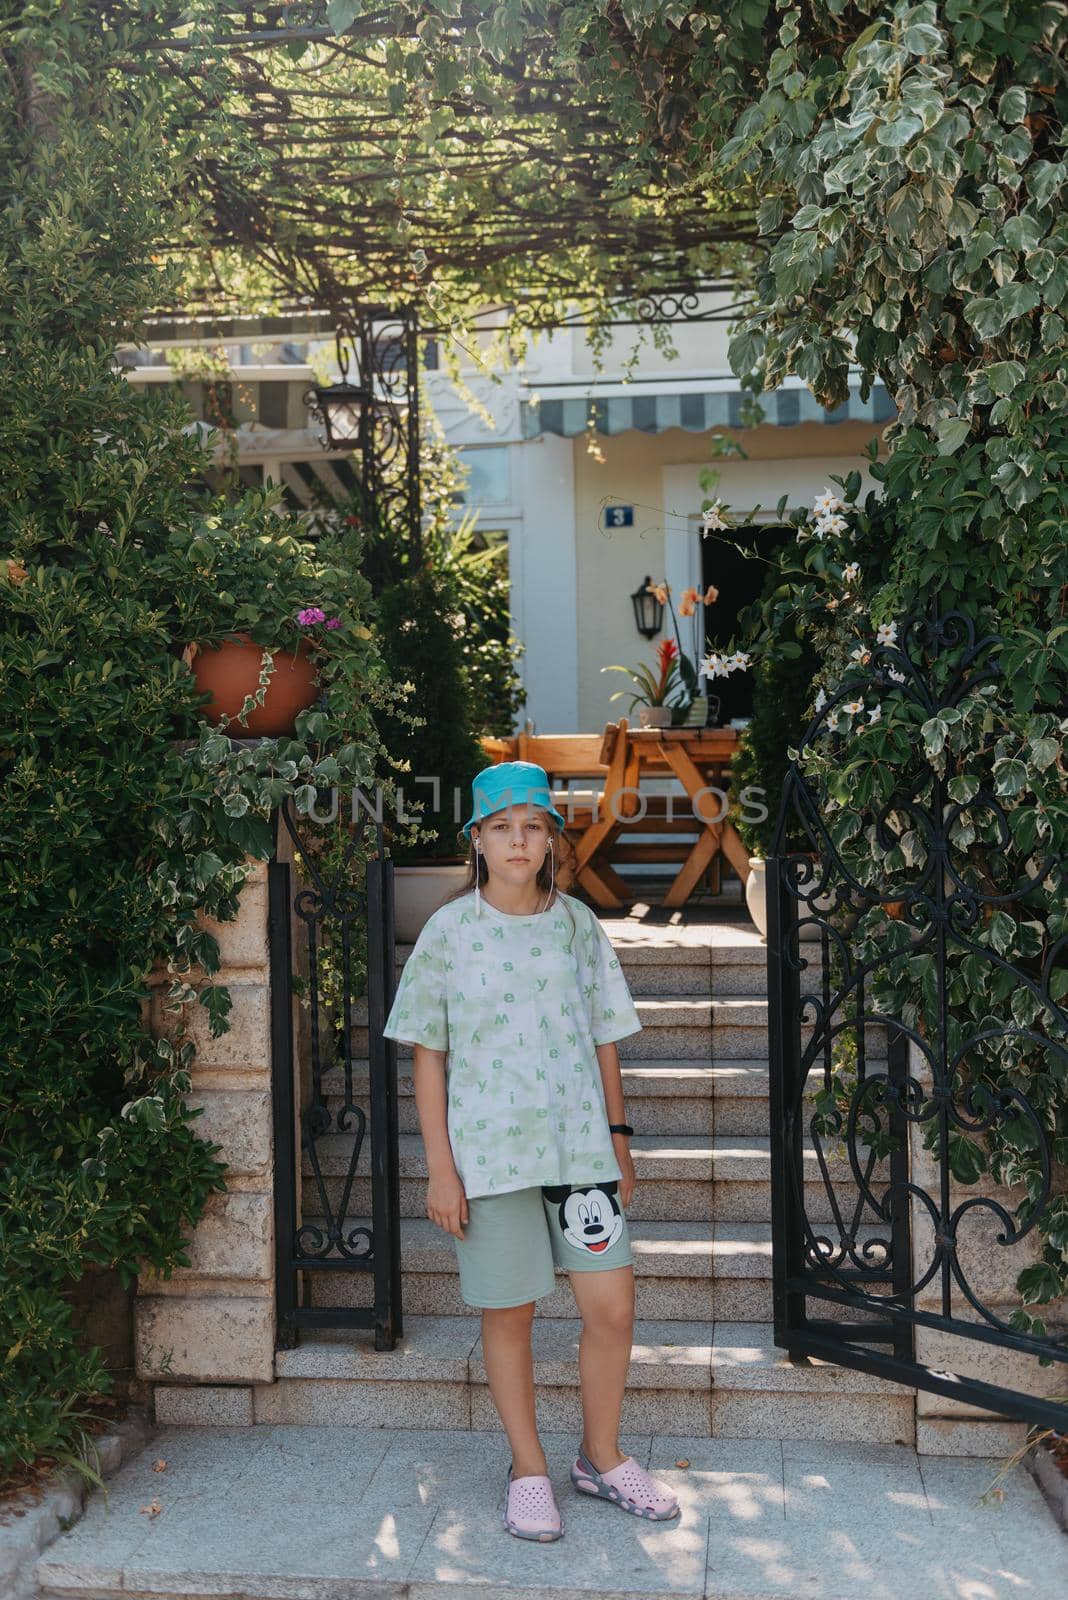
[[619, 516]]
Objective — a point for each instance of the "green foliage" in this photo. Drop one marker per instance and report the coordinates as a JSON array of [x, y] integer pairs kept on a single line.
[[478, 579], [910, 167], [126, 816], [782, 692], [664, 687], [421, 648]]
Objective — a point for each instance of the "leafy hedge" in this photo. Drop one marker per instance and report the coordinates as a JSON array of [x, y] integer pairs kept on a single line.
[[906, 166], [125, 814]]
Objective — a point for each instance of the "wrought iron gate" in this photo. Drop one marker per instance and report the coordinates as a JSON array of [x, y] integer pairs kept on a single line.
[[317, 1093], [890, 1126]]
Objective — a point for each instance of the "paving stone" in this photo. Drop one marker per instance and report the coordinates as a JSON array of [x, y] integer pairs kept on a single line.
[[745, 1357], [432, 1349], [324, 1513]]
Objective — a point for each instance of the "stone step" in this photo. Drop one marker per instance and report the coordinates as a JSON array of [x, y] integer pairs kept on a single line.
[[682, 1271], [662, 1097], [679, 1179], [725, 959], [678, 1027], [725, 1379]]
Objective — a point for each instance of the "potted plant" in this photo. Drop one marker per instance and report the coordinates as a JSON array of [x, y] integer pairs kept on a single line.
[[690, 603], [260, 688], [286, 615], [658, 695]]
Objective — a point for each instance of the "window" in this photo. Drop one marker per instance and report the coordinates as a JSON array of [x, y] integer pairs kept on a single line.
[[489, 481]]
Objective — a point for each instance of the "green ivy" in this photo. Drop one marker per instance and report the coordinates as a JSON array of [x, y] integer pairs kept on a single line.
[[127, 817]]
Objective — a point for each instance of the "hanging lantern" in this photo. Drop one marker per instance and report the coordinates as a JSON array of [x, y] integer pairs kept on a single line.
[[648, 610], [345, 409]]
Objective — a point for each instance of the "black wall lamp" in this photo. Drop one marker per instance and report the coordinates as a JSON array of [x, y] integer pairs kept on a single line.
[[648, 610]]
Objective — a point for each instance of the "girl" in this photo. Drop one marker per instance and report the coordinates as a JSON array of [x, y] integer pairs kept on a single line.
[[513, 999]]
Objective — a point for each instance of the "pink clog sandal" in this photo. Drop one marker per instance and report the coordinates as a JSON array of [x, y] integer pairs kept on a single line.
[[628, 1485], [530, 1509]]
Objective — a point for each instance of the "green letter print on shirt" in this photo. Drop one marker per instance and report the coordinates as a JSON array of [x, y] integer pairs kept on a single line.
[[526, 1101]]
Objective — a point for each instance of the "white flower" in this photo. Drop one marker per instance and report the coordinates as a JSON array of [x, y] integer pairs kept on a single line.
[[860, 653], [898, 677], [832, 723], [851, 572], [854, 706], [712, 520], [875, 714], [826, 502], [831, 524], [886, 633], [717, 666], [821, 700]]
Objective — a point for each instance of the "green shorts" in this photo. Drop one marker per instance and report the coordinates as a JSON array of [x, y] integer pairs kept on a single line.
[[512, 1240]]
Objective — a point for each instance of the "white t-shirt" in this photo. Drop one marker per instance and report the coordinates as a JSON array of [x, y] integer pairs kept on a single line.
[[520, 1005]]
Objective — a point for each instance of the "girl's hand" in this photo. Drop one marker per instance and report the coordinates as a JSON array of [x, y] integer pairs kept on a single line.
[[446, 1202], [621, 1145]]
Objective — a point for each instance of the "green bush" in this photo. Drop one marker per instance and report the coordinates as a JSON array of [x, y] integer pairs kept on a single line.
[[444, 633], [421, 646], [125, 814], [782, 690]]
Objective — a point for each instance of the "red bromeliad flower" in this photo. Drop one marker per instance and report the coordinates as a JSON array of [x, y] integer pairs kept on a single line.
[[666, 654]]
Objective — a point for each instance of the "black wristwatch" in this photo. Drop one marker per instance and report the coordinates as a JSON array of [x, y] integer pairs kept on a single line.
[[621, 1127]]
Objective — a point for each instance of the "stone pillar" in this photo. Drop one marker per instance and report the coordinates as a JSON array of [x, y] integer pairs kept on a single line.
[[945, 1426], [204, 1336]]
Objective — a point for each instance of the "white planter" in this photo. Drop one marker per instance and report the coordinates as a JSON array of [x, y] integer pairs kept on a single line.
[[419, 891], [654, 716], [756, 891], [756, 899]]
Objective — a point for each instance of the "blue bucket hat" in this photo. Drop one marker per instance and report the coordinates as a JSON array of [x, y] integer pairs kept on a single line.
[[510, 783]]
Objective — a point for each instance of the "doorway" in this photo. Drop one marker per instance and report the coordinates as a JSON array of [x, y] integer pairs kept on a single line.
[[739, 575]]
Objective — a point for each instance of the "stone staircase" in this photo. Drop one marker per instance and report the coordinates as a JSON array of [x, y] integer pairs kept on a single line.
[[704, 1364]]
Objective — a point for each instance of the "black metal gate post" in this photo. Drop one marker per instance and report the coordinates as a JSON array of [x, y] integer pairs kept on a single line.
[[332, 1136], [283, 1095], [783, 1093], [385, 1164]]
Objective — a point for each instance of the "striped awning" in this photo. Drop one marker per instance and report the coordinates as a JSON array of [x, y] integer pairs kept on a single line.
[[695, 411]]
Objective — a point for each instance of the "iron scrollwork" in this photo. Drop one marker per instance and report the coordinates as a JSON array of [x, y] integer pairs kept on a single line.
[[340, 923], [885, 1116], [384, 343]]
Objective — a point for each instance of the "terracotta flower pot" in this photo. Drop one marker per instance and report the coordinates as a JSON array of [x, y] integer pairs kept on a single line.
[[231, 671]]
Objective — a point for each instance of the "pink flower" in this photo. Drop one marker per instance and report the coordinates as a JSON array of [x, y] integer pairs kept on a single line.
[[335, 622], [309, 615]]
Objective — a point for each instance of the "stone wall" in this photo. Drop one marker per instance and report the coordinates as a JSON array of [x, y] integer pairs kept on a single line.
[[207, 1333]]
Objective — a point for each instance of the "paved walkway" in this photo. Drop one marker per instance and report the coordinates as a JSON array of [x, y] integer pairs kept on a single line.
[[302, 1513]]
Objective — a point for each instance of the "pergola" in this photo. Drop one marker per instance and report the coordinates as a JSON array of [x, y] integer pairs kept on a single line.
[[382, 174], [392, 163]]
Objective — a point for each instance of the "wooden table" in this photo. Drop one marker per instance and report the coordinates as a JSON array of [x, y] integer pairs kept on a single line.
[[700, 759]]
